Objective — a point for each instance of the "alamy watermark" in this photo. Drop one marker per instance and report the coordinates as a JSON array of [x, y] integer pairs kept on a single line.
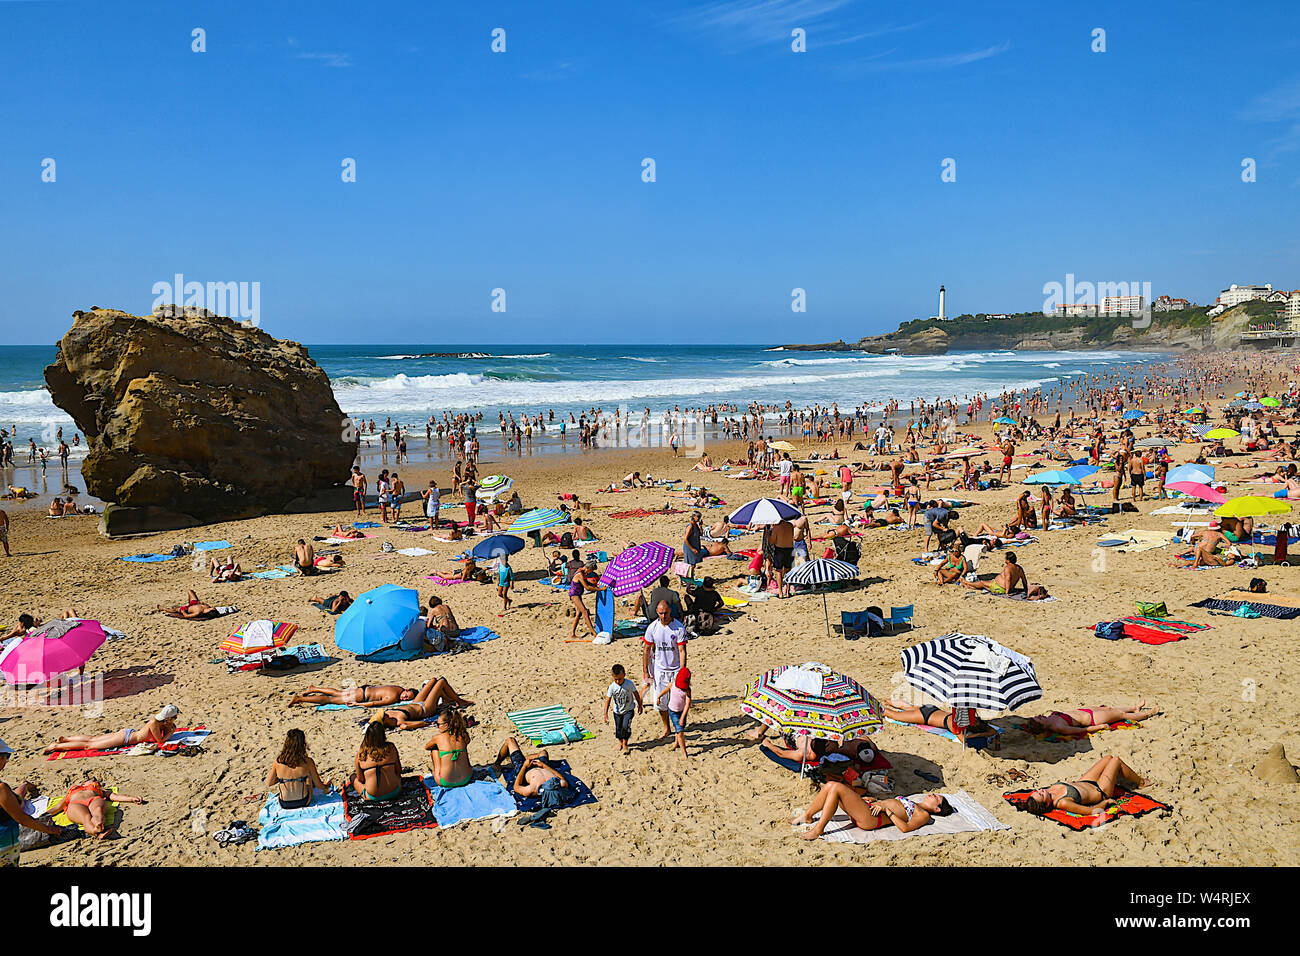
[[1126, 299], [235, 300]]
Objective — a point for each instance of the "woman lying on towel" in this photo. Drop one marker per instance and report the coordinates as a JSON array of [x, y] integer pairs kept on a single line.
[[156, 730], [334, 604], [377, 769], [194, 610], [225, 570], [348, 532], [295, 773], [927, 715], [903, 812], [87, 805], [1094, 791], [1086, 720]]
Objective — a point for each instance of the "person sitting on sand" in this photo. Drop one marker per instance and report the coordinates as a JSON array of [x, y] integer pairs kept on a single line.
[[1065, 505], [905, 813], [533, 776], [193, 610], [930, 716], [334, 604], [377, 769], [581, 532], [156, 730], [56, 508], [704, 464], [87, 805], [515, 505], [449, 750], [295, 773], [1087, 720], [12, 815], [1011, 577], [441, 619], [954, 567], [633, 480], [304, 557], [224, 570], [348, 532], [1091, 793], [26, 623], [469, 571]]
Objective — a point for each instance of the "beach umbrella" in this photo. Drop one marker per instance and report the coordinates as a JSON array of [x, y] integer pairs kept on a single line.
[[764, 511], [1215, 433], [1054, 477], [1195, 411], [256, 636], [1004, 421], [493, 485], [52, 649], [1252, 506], [1270, 402], [496, 545], [970, 670], [377, 619], [539, 518], [1253, 406], [1152, 442], [811, 700], [637, 567], [1190, 472], [1197, 489], [782, 446], [822, 571], [1080, 472], [1133, 414]]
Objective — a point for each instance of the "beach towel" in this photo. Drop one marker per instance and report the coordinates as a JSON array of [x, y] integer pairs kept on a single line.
[[414, 552], [211, 545], [879, 762], [473, 635], [410, 810], [643, 513], [181, 737], [1159, 630], [1128, 804], [320, 821], [967, 817], [309, 653], [946, 734], [359, 525], [582, 794], [439, 580], [631, 627], [1276, 611], [112, 816], [390, 654], [148, 558], [274, 574], [482, 798], [1018, 596], [542, 725], [1053, 738], [334, 540]]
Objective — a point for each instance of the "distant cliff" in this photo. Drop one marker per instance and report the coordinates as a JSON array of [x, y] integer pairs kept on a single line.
[[1187, 330]]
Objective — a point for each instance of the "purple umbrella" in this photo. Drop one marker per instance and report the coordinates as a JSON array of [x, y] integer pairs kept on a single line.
[[637, 567]]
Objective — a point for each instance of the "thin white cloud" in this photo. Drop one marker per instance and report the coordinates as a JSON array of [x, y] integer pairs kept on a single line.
[[1279, 106], [750, 23], [948, 62], [869, 35], [560, 70], [338, 60]]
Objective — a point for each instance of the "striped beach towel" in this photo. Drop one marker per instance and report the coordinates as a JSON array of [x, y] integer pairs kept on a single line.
[[1276, 611], [534, 724], [1158, 630], [321, 820], [967, 817]]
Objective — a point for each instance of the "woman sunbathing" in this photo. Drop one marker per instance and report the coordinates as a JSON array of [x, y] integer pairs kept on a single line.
[[1085, 720], [223, 571], [377, 769], [1094, 791], [156, 730], [449, 750], [905, 813], [192, 610], [87, 805], [295, 773], [334, 604], [368, 695], [348, 532], [927, 715]]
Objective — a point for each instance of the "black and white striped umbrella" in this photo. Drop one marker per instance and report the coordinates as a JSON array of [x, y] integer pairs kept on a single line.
[[821, 571], [970, 670]]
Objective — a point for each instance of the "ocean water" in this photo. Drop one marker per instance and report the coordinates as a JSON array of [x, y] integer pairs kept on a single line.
[[382, 382]]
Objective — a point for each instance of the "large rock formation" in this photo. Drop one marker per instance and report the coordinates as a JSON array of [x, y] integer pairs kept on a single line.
[[193, 418]]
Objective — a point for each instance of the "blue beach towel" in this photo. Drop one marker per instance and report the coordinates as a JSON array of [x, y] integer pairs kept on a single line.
[[148, 558], [582, 794], [283, 571], [321, 820], [211, 545], [333, 706], [359, 525], [483, 798]]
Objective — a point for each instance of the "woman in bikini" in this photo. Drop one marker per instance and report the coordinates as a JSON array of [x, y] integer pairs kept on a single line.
[[87, 805], [584, 579], [377, 769], [295, 773], [953, 567], [156, 730], [223, 571], [1094, 791], [1086, 720], [449, 750], [440, 618], [368, 695], [334, 604], [192, 609], [927, 715], [905, 813]]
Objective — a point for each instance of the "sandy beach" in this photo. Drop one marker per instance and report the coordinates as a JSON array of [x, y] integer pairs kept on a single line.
[[1228, 694]]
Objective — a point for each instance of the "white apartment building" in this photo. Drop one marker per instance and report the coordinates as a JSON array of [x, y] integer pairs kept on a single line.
[[1123, 305], [1237, 294]]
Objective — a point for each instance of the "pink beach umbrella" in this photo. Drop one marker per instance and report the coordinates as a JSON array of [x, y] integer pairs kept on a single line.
[[51, 650], [1197, 489]]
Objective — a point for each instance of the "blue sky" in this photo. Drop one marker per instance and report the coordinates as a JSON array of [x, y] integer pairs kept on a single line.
[[522, 170]]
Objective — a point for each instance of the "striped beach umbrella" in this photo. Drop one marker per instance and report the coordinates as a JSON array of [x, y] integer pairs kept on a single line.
[[494, 485], [764, 511], [258, 636], [822, 571], [811, 700], [539, 518], [637, 567], [970, 670]]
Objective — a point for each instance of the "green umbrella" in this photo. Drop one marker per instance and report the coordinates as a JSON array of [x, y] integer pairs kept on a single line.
[[1270, 402]]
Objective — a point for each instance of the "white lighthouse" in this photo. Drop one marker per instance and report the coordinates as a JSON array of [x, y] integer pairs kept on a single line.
[[943, 315]]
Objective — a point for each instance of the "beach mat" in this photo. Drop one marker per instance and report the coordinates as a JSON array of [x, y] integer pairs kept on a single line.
[[1156, 630], [582, 794], [967, 817], [1275, 611], [534, 723], [945, 733], [211, 545], [320, 821], [411, 810], [1129, 804], [181, 737], [482, 798]]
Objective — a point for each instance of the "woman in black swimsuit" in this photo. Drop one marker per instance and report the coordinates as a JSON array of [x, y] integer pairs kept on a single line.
[[1094, 791], [295, 773], [928, 715]]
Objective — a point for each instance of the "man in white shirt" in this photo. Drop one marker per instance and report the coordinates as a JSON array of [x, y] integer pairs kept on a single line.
[[785, 468], [882, 438], [665, 655]]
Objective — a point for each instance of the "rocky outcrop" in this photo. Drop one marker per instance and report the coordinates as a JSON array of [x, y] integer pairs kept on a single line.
[[192, 418]]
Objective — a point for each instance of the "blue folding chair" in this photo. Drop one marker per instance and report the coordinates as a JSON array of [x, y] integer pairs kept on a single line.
[[899, 615]]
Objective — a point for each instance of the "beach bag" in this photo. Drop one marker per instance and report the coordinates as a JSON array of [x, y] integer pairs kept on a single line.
[[847, 550], [1245, 611], [1109, 630], [1152, 609], [283, 662], [1258, 586], [386, 547]]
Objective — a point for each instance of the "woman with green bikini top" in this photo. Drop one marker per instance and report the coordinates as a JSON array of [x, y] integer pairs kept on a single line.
[[450, 750]]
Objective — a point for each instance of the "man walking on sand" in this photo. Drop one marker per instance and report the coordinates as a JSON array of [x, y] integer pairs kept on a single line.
[[781, 538], [4, 531], [663, 657], [358, 490]]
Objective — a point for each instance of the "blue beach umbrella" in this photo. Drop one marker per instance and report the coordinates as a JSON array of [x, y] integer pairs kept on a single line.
[[378, 619], [495, 546], [1133, 414], [1004, 421], [1053, 477], [1204, 474], [1080, 472]]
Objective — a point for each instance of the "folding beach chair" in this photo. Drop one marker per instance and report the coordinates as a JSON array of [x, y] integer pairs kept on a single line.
[[899, 615]]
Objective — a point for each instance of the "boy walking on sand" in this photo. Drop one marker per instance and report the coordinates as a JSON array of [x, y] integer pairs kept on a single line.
[[679, 704], [627, 702]]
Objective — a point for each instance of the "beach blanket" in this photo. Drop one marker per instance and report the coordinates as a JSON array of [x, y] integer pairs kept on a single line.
[[181, 737], [945, 733], [359, 525], [211, 545], [309, 653], [1128, 804], [439, 580], [1276, 611], [148, 558], [414, 552], [112, 816], [273, 574], [582, 794], [643, 513], [537, 723], [482, 798], [320, 821], [1159, 630], [472, 635], [410, 810], [967, 817], [1135, 540]]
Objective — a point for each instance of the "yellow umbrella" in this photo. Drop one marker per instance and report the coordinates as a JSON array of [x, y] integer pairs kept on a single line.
[[1252, 506], [782, 446], [1221, 433]]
